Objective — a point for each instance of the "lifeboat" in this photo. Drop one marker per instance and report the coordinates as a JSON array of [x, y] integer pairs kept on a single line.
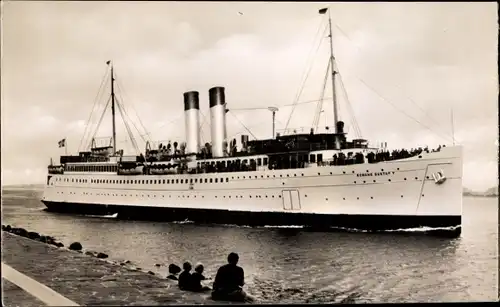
[[137, 170], [59, 169], [162, 169]]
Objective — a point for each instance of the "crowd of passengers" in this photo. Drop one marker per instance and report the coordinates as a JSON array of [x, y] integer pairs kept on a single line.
[[380, 156], [284, 161]]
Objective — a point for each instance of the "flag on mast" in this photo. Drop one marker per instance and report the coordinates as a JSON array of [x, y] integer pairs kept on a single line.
[[323, 11], [107, 63], [62, 143]]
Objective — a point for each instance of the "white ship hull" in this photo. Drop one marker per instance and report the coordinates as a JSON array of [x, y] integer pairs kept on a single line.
[[381, 196]]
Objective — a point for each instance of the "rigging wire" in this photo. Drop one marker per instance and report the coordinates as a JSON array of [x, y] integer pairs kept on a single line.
[[131, 136], [350, 110], [200, 130], [394, 106], [146, 133], [407, 97], [243, 130], [96, 99], [243, 125], [307, 75], [280, 106], [124, 111], [100, 121], [169, 122], [319, 106]]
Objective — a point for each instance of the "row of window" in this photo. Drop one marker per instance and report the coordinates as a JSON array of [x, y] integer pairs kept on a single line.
[[178, 196], [92, 168], [194, 196], [177, 181], [164, 181]]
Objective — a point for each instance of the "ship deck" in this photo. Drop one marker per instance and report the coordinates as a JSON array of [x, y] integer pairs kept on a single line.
[[29, 267]]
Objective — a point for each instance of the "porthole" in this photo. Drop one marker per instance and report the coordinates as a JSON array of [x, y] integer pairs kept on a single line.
[[405, 178], [374, 181], [389, 180], [357, 198], [354, 181], [331, 173], [401, 196], [319, 174], [371, 197]]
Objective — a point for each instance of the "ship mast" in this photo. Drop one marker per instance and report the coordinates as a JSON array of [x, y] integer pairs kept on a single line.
[[113, 107], [332, 65]]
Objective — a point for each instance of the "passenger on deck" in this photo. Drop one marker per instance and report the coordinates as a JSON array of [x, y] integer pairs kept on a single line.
[[173, 270], [185, 279], [229, 281], [197, 277]]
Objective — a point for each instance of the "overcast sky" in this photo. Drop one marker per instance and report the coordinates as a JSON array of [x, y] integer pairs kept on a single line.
[[405, 66]]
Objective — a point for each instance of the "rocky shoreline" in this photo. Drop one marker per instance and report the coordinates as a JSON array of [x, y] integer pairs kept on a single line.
[[75, 247]]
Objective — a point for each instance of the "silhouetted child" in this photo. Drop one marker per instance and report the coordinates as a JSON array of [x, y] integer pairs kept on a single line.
[[173, 270], [185, 279], [197, 277]]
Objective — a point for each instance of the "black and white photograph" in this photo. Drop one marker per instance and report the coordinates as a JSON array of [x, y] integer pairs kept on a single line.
[[180, 153]]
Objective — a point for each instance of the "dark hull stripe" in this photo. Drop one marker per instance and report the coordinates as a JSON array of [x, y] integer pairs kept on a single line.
[[372, 223]]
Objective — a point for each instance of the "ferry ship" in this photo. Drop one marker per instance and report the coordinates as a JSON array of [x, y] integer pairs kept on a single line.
[[316, 180]]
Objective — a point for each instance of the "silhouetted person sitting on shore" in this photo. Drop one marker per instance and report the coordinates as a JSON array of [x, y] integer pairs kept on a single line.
[[229, 281], [173, 270], [185, 279], [197, 277]]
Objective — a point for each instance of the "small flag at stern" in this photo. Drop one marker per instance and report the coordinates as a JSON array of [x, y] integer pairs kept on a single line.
[[62, 143], [323, 11]]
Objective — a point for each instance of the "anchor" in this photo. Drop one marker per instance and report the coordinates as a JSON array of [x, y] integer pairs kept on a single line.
[[439, 177]]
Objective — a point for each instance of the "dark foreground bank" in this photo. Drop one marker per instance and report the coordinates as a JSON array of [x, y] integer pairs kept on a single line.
[[86, 279]]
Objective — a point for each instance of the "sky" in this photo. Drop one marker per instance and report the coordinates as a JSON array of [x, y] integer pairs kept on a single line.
[[408, 69]]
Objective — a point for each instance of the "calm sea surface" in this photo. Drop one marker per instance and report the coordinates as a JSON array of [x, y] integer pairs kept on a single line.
[[290, 265]]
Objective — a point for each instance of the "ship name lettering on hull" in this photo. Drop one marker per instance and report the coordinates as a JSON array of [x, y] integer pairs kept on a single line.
[[375, 174]]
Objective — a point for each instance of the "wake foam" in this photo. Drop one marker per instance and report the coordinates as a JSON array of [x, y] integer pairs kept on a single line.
[[110, 216]]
